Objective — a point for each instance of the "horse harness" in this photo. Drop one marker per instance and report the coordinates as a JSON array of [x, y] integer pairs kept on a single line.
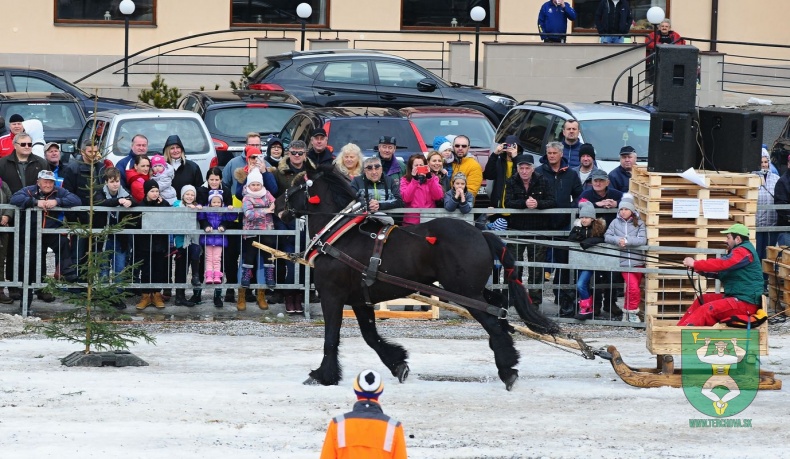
[[322, 243]]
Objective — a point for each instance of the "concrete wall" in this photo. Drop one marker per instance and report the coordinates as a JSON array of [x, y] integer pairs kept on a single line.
[[547, 71]]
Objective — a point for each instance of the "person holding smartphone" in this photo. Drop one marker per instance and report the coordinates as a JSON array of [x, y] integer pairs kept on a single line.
[[419, 188], [499, 168], [553, 19]]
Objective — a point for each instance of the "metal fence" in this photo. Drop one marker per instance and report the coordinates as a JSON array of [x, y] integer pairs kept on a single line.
[[544, 273]]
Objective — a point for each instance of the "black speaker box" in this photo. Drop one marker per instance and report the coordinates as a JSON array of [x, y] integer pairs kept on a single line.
[[672, 142], [731, 139], [675, 87]]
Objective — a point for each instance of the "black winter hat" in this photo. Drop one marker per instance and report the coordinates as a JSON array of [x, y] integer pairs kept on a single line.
[[16, 118], [587, 149], [173, 140], [149, 185]]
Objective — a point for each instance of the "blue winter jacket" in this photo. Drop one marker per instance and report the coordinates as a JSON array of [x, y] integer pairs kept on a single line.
[[552, 19]]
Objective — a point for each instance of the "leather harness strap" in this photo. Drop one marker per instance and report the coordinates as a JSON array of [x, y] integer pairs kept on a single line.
[[370, 274], [422, 288]]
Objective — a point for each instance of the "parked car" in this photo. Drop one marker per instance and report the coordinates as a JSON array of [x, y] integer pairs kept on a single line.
[[59, 113], [113, 131], [231, 115], [605, 125], [24, 79], [436, 121], [338, 78], [359, 125]]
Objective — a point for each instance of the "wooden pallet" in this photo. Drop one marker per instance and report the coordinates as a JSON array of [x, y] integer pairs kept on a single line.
[[664, 337], [383, 310]]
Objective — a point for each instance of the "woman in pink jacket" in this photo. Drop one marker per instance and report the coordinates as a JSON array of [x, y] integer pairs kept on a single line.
[[419, 188]]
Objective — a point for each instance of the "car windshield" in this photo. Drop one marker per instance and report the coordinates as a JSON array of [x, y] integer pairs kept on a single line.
[[157, 130], [609, 136], [239, 121], [365, 133], [51, 115], [479, 130]]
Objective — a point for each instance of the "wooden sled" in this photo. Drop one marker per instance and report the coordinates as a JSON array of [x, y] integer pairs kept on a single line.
[[664, 339]]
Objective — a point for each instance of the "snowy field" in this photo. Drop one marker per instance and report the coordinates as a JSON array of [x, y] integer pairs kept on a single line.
[[234, 391]]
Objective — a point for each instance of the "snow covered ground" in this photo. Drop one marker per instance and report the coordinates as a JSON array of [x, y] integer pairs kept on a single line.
[[234, 391]]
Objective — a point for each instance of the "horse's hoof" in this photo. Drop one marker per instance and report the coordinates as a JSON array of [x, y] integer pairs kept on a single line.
[[511, 381], [310, 381], [402, 372]]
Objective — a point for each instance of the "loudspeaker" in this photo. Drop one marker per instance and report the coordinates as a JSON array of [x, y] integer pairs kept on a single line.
[[672, 142], [675, 87], [732, 139]]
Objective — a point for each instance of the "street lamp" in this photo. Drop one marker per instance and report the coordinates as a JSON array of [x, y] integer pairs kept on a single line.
[[477, 14], [654, 16], [127, 8], [304, 10]]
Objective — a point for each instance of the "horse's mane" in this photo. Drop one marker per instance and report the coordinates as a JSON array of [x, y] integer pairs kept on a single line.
[[338, 185]]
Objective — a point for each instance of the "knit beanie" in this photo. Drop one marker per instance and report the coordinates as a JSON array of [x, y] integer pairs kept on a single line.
[[158, 160], [251, 151], [149, 185], [587, 149], [368, 385], [255, 176], [627, 202], [214, 193], [186, 188], [586, 209], [16, 118], [445, 146], [500, 224], [458, 176]]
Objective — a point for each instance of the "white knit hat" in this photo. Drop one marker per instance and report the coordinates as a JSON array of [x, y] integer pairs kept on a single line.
[[255, 176], [627, 202]]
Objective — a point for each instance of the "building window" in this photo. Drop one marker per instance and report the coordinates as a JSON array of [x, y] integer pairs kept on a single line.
[[249, 13], [103, 12], [585, 10], [421, 14]]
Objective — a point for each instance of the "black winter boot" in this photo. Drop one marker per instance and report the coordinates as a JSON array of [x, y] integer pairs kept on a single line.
[[217, 298]]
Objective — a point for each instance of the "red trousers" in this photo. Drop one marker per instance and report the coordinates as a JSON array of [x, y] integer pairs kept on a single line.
[[715, 308]]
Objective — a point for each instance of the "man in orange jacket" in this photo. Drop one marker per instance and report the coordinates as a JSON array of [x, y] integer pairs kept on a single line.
[[365, 432]]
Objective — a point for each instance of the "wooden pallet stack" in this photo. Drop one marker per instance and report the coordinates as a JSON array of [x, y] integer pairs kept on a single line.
[[777, 266], [668, 296]]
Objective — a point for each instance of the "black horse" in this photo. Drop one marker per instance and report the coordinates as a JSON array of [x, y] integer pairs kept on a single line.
[[450, 251]]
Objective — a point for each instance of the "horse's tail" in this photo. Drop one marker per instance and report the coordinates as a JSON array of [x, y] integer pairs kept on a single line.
[[531, 315]]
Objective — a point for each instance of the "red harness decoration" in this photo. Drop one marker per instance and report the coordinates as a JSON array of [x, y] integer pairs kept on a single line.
[[336, 235]]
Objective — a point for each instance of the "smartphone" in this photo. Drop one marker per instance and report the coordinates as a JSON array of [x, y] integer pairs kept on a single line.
[[422, 170]]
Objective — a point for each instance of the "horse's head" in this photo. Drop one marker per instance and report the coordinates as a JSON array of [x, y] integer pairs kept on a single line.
[[314, 191]]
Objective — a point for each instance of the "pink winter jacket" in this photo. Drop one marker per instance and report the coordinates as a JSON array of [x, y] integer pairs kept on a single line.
[[417, 196]]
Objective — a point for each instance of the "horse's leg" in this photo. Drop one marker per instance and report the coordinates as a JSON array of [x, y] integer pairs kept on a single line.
[[499, 340], [392, 355], [329, 373]]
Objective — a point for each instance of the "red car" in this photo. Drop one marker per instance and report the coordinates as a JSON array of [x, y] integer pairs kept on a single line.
[[436, 121], [441, 121]]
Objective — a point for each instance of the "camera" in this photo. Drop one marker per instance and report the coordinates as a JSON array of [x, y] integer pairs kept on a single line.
[[422, 170]]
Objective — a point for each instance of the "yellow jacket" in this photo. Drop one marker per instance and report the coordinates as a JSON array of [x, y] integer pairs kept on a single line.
[[473, 172]]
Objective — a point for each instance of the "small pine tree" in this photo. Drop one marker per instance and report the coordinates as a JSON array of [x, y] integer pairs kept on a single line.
[[90, 320], [245, 74], [160, 95]]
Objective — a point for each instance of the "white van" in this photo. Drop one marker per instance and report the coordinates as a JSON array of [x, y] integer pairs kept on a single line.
[[114, 130]]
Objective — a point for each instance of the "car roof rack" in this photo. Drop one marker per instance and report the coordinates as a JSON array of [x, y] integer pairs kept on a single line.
[[547, 102], [617, 103]]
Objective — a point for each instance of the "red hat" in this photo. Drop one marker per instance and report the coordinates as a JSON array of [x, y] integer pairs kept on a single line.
[[251, 151]]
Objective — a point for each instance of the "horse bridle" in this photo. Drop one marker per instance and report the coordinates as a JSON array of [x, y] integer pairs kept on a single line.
[[308, 182]]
